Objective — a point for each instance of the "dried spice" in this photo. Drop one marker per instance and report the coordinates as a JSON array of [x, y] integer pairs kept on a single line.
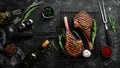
[[2, 18], [10, 49], [106, 52], [74, 43]]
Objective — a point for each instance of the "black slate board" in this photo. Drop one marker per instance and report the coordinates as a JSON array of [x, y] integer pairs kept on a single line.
[[50, 29]]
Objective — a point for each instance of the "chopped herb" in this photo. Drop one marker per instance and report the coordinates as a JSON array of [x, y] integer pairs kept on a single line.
[[74, 43], [84, 25], [48, 12]]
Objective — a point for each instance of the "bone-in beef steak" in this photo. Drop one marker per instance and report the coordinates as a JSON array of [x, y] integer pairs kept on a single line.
[[73, 46], [83, 21]]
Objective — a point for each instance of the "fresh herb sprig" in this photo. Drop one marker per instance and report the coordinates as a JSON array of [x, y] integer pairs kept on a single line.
[[60, 36], [94, 31], [28, 13], [112, 24], [30, 9], [52, 44], [76, 34]]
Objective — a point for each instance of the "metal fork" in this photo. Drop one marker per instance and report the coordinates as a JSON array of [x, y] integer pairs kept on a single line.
[[103, 13], [105, 21]]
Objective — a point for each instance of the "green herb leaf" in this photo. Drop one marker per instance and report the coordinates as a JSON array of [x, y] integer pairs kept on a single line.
[[52, 43], [94, 31], [28, 13], [112, 24], [61, 45], [76, 34], [63, 32]]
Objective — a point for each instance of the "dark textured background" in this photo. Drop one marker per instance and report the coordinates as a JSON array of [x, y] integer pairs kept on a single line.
[[49, 29]]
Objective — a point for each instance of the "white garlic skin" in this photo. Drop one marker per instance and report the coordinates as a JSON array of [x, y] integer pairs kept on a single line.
[[86, 53]]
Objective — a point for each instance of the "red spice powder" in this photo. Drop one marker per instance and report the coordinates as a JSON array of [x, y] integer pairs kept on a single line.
[[106, 52]]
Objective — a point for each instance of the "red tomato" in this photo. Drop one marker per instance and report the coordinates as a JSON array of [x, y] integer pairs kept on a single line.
[[106, 52]]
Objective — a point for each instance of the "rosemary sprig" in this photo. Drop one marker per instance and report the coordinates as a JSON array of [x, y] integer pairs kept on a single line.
[[112, 24], [52, 43], [76, 34], [61, 45], [94, 32], [28, 13], [63, 32]]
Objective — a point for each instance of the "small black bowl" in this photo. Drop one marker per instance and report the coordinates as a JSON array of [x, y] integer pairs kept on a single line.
[[48, 12]]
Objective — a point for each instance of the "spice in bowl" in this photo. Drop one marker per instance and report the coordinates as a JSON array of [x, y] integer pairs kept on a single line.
[[48, 12], [10, 49], [106, 52]]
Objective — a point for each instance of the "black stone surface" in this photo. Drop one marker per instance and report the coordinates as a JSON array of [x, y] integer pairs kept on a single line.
[[49, 29]]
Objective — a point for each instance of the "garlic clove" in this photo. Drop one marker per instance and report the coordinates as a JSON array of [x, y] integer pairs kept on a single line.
[[86, 53]]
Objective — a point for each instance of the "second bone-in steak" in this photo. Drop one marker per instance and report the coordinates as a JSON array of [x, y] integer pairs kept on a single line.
[[73, 46], [83, 21]]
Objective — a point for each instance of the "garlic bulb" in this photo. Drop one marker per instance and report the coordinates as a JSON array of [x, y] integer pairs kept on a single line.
[[86, 53]]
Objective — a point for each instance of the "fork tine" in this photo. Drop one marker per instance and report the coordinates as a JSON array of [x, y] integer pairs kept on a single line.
[[101, 10], [104, 11]]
